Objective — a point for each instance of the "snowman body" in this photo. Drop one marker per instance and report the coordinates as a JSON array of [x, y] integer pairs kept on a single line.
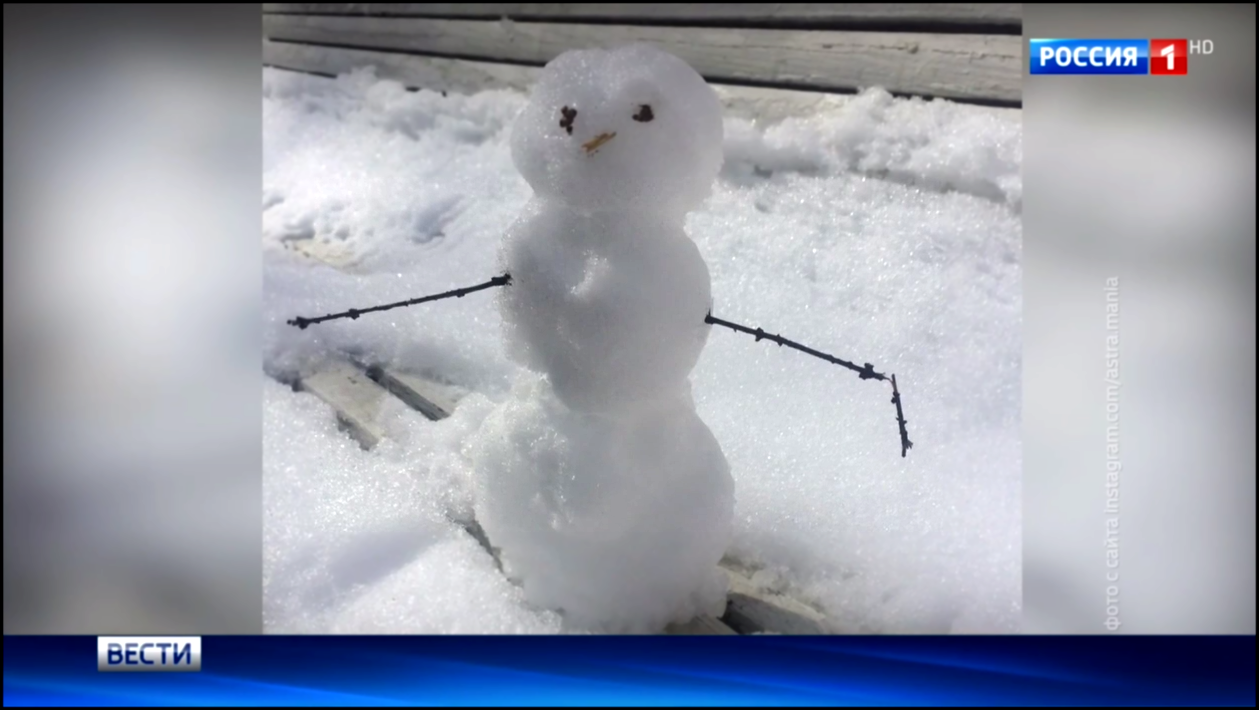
[[608, 497], [581, 310]]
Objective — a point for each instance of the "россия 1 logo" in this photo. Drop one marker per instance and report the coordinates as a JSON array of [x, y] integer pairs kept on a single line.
[[1169, 56], [1114, 56]]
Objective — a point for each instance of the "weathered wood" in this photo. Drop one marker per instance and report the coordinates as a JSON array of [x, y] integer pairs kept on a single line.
[[433, 399], [416, 72], [967, 67], [1001, 14], [332, 253], [753, 610], [357, 400], [462, 76], [701, 626], [476, 532]]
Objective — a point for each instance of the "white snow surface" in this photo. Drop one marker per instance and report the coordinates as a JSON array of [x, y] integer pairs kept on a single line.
[[884, 231]]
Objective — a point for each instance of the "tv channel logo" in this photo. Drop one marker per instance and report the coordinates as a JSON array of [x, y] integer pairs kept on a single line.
[[148, 653], [1169, 56], [1165, 57], [1090, 56]]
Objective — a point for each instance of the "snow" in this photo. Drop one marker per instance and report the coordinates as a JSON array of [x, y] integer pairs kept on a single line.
[[617, 519], [661, 120], [882, 230], [610, 305], [609, 498]]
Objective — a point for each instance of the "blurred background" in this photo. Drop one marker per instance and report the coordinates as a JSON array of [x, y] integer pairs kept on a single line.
[[132, 371], [132, 282], [1150, 179]]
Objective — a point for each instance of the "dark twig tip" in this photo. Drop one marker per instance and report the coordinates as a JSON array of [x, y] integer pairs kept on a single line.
[[901, 421]]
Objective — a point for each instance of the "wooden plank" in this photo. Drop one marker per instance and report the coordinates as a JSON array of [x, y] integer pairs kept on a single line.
[[753, 610], [416, 72], [1006, 14], [357, 400], [768, 106], [462, 76], [975, 67], [476, 532], [329, 252], [701, 626], [435, 400]]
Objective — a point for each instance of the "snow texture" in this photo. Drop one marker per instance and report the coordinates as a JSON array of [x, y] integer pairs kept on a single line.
[[608, 497], [879, 229], [663, 128], [618, 520]]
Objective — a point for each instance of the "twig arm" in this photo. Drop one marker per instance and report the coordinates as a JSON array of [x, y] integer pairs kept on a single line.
[[354, 313], [906, 444], [865, 372]]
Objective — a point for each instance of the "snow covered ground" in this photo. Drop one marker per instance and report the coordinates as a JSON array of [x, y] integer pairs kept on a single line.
[[883, 230]]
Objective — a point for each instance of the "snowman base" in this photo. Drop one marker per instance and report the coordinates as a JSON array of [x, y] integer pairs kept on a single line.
[[355, 392], [616, 519], [750, 607]]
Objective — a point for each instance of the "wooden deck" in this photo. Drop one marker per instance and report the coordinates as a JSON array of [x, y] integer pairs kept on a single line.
[[963, 52]]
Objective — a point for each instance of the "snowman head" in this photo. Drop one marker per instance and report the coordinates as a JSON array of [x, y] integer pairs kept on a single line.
[[632, 128]]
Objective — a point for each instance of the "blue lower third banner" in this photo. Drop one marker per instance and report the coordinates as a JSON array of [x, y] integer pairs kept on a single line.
[[676, 670]]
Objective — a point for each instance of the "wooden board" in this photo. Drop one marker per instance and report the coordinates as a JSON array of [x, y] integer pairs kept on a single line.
[[435, 400], [357, 400], [462, 76], [997, 14], [985, 68], [416, 72], [754, 610], [701, 626]]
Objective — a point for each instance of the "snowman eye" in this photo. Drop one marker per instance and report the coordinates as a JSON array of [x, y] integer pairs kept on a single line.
[[566, 121], [644, 114]]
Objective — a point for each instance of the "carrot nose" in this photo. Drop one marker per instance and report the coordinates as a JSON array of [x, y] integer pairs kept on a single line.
[[593, 144]]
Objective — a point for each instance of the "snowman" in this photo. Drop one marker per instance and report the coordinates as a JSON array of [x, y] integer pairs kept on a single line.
[[608, 498]]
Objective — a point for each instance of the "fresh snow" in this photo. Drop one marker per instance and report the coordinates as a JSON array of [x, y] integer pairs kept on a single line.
[[880, 230]]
